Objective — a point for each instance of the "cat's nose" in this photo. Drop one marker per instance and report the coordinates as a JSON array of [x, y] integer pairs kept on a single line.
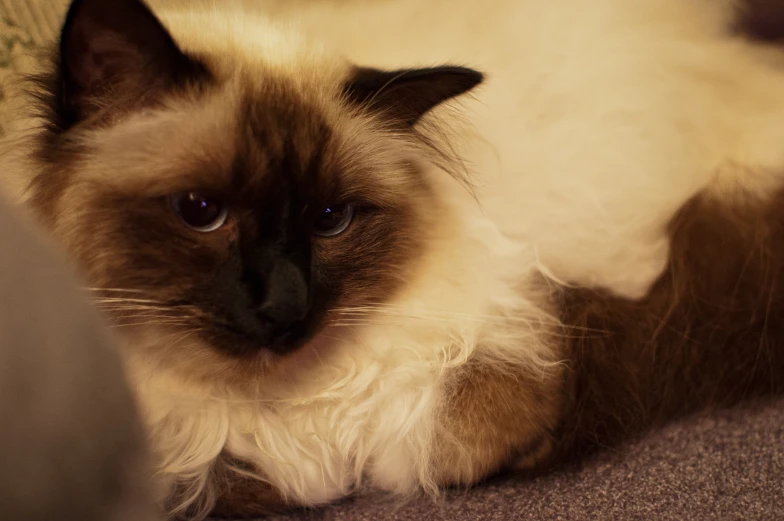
[[287, 301]]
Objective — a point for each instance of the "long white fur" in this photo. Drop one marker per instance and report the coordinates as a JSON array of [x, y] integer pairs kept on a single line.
[[599, 118]]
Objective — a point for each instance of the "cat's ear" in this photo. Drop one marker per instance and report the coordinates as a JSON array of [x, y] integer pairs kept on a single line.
[[116, 52], [407, 95]]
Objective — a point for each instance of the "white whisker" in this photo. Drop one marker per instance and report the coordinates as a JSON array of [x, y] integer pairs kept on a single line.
[[121, 299], [120, 290]]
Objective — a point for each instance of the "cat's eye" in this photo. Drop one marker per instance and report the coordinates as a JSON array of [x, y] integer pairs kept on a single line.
[[334, 220], [199, 211]]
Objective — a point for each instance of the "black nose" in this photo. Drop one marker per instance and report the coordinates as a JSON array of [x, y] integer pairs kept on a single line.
[[287, 302]]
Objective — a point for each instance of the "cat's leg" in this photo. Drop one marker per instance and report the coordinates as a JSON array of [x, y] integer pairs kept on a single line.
[[495, 417]]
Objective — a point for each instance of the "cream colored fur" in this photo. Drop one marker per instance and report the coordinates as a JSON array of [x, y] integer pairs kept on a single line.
[[598, 120], [602, 116]]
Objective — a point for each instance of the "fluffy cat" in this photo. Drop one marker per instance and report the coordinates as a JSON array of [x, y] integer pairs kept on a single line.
[[401, 245]]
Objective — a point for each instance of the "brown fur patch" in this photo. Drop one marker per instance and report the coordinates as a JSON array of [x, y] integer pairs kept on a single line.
[[709, 334], [761, 19], [493, 418], [239, 497], [245, 498]]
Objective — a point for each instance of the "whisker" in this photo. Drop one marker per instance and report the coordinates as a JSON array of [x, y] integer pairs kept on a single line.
[[146, 324], [133, 302], [128, 310], [429, 315], [123, 290], [402, 309], [152, 315], [131, 310], [388, 310], [121, 299], [155, 321], [180, 337]]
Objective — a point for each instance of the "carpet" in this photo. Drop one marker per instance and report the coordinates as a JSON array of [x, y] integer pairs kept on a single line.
[[724, 466]]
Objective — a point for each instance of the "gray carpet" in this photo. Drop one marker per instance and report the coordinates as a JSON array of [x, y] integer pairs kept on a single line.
[[724, 466]]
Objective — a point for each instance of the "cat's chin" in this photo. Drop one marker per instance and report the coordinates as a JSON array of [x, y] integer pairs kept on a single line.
[[235, 343], [243, 366]]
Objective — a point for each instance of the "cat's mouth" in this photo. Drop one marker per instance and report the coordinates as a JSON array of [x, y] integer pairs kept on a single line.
[[235, 340]]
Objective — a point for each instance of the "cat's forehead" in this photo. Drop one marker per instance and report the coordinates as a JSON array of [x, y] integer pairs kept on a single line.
[[250, 135], [282, 134]]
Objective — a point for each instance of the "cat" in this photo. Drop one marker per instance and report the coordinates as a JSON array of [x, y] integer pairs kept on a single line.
[[401, 245]]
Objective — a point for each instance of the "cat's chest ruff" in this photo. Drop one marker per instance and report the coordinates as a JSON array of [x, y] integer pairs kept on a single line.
[[316, 444]]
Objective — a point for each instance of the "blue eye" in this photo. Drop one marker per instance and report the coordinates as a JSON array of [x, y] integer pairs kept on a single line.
[[334, 220], [200, 212]]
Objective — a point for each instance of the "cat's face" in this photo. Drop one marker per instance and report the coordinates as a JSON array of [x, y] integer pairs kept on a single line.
[[245, 208]]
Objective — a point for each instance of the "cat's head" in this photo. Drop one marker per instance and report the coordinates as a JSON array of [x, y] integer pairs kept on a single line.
[[238, 201]]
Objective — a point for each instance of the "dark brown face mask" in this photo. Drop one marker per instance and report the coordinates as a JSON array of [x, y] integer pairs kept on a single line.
[[761, 20], [71, 444]]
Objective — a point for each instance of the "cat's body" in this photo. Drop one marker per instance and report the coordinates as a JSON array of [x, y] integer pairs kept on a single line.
[[631, 149]]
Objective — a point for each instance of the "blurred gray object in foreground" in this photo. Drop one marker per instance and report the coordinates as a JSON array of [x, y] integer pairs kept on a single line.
[[70, 441]]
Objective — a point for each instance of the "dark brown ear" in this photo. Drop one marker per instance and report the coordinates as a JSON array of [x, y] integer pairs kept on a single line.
[[408, 94], [116, 52], [761, 19]]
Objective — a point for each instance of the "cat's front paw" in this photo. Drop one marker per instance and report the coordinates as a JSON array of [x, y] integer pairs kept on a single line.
[[493, 419], [469, 467]]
